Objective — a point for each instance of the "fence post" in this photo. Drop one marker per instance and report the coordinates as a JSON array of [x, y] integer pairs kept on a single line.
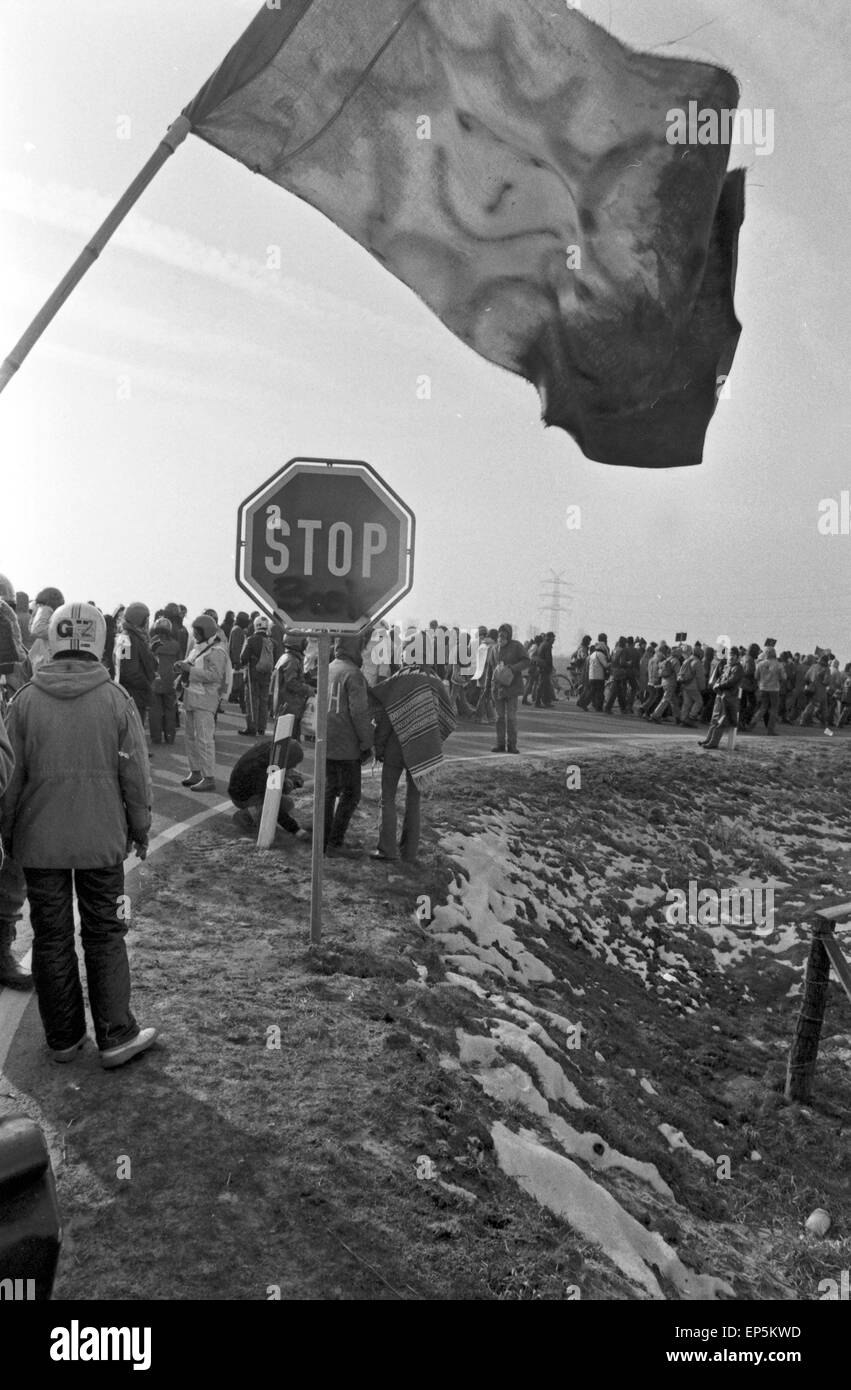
[[804, 1051]]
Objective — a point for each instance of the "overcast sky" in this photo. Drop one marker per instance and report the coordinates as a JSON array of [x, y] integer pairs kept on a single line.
[[187, 367]]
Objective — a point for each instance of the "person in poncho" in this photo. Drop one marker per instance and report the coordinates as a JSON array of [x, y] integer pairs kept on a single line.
[[413, 719]]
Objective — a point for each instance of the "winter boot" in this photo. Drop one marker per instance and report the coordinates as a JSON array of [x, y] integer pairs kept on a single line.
[[11, 974]]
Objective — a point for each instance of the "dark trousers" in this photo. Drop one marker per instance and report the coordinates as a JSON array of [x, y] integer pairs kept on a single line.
[[257, 701], [768, 704], [342, 795], [595, 695], [619, 692], [162, 716], [54, 961], [391, 772]]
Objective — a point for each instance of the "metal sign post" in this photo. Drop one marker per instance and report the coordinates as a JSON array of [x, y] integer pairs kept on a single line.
[[317, 862]]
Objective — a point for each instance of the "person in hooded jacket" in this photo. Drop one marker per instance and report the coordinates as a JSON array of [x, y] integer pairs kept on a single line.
[[163, 711], [135, 663], [46, 603], [205, 673], [78, 800], [349, 742], [259, 658], [174, 612]]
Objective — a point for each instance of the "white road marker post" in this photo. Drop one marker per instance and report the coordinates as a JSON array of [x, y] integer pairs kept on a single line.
[[275, 774], [317, 863]]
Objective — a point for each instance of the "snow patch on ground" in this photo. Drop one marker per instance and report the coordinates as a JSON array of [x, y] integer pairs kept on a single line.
[[560, 1185], [677, 1140]]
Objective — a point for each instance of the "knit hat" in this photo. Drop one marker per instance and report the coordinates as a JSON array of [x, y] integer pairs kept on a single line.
[[51, 598], [205, 625], [137, 614], [77, 627]]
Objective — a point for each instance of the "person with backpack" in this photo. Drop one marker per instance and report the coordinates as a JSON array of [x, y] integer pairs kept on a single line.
[[162, 715], [78, 801], [258, 661], [691, 691], [205, 673]]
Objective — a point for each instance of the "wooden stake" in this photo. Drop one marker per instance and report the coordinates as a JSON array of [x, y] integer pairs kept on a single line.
[[318, 849], [804, 1052]]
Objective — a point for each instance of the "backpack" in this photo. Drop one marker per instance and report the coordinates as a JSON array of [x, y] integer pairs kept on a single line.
[[669, 666], [265, 660]]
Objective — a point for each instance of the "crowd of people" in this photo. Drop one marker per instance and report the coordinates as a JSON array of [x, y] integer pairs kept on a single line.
[[87, 698], [82, 692], [739, 687]]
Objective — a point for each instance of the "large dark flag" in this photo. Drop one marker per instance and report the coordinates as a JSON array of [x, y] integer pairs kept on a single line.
[[528, 176]]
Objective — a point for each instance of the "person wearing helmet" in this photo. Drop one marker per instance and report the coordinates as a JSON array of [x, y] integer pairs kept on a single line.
[[258, 660], [79, 799], [205, 672], [290, 691]]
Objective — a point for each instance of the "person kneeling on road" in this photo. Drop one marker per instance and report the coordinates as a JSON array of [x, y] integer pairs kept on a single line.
[[78, 800], [247, 787]]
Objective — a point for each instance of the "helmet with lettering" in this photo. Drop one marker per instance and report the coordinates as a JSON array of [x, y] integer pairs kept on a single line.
[[77, 627]]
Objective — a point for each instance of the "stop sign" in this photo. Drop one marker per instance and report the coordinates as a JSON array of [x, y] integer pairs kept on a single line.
[[325, 543]]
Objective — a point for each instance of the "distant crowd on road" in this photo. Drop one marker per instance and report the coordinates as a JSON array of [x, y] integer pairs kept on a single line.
[[736, 687]]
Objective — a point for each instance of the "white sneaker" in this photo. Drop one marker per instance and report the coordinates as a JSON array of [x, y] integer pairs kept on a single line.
[[117, 1056]]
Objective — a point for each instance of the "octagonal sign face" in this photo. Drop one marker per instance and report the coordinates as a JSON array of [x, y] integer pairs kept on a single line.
[[325, 543]]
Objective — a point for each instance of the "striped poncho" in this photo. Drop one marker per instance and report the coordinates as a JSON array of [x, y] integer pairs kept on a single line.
[[421, 717]]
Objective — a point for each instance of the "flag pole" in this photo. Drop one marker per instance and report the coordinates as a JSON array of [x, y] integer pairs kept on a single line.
[[174, 136]]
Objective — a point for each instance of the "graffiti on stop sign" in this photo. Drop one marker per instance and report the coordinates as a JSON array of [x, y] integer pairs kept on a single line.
[[326, 543]]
